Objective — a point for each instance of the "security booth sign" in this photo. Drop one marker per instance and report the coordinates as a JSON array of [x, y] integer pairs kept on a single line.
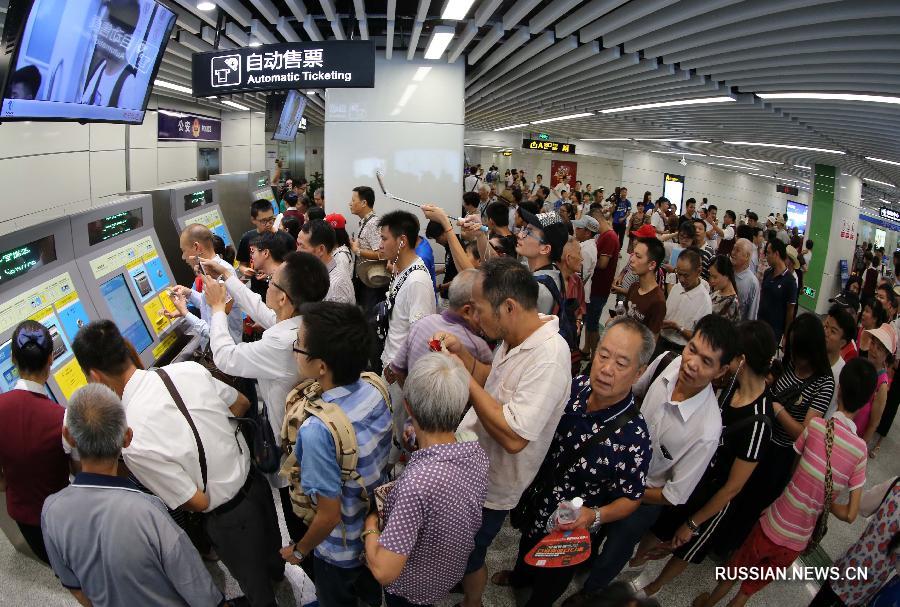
[[549, 146], [291, 65]]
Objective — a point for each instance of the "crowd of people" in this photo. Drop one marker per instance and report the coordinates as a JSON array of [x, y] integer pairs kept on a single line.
[[399, 412]]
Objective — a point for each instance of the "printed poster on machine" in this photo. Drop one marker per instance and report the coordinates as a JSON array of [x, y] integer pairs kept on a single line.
[[278, 67]]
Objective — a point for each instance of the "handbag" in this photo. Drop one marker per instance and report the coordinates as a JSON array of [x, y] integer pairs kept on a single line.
[[265, 451], [523, 514], [821, 527]]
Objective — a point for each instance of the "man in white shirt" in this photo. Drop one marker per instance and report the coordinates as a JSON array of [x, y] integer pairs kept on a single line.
[[166, 456], [410, 295], [270, 360], [317, 238], [657, 220], [538, 182], [743, 253], [471, 181], [516, 402], [840, 329], [196, 242], [561, 186], [541, 244], [687, 303], [586, 230], [682, 413]]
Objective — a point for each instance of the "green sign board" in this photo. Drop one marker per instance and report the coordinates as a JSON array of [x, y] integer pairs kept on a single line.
[[543, 136], [261, 183], [809, 292]]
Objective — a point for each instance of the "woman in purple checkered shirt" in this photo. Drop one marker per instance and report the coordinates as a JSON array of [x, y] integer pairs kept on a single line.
[[434, 510]]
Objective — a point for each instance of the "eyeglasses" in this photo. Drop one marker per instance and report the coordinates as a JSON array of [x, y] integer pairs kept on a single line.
[[526, 232], [267, 220], [272, 283], [299, 350]]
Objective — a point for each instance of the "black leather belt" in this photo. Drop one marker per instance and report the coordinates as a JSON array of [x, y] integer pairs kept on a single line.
[[237, 499]]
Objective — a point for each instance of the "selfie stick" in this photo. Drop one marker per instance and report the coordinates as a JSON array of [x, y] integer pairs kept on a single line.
[[379, 175]]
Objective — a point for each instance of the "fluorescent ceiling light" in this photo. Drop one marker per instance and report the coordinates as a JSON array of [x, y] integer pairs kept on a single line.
[[647, 106], [879, 182], [174, 87], [254, 43], [440, 40], [173, 114], [733, 166], [745, 159], [831, 97], [761, 175], [786, 147], [800, 166], [515, 126], [456, 10], [609, 139], [236, 106], [420, 74], [205, 6], [893, 162], [676, 140], [569, 117], [678, 153]]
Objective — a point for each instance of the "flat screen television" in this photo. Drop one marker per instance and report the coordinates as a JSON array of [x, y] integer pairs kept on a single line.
[[289, 120], [796, 216], [84, 60]]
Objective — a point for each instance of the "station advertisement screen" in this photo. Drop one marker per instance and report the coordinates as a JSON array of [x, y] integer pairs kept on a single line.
[[125, 312], [673, 189], [111, 226], [291, 113], [88, 60], [796, 215], [27, 257]]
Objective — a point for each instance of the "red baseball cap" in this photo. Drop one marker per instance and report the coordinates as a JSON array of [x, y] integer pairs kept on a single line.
[[645, 231], [336, 220]]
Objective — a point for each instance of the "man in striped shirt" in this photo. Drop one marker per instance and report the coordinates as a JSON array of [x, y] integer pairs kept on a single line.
[[785, 528]]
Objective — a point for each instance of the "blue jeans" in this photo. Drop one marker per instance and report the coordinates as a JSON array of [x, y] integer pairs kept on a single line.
[[594, 312], [621, 538], [491, 523]]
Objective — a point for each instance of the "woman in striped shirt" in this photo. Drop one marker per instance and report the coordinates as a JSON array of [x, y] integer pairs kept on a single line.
[[746, 433]]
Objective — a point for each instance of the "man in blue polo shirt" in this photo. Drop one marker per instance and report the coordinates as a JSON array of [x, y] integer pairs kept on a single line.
[[778, 291], [108, 542], [620, 214]]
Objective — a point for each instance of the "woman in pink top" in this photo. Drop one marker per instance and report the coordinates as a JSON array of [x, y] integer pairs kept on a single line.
[[882, 345]]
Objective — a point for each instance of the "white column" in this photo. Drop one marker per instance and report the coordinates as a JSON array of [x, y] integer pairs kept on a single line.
[[410, 125]]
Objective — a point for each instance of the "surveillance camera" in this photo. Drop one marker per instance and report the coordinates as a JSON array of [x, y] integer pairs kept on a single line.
[[682, 162]]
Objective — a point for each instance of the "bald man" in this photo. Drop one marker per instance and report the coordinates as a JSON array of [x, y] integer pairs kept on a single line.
[[197, 241], [747, 283]]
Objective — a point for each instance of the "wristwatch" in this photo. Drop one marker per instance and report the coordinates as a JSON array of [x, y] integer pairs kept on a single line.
[[298, 555], [597, 521]]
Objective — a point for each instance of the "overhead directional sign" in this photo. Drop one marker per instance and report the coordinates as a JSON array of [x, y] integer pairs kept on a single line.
[[889, 213], [549, 146], [292, 65]]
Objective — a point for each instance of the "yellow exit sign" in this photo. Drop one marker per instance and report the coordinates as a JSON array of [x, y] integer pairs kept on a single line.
[[549, 146]]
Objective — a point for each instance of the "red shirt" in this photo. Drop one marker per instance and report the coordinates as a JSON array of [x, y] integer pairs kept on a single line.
[[31, 453], [850, 351], [607, 244]]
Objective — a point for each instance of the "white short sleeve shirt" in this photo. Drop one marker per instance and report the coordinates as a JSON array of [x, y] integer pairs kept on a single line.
[[415, 300], [163, 454], [685, 308]]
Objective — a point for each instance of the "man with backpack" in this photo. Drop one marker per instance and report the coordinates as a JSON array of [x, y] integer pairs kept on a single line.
[[336, 408]]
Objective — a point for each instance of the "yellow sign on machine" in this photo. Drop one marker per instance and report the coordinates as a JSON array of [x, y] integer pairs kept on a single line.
[[70, 378]]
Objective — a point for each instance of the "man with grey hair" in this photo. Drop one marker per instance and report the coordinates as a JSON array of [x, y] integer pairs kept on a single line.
[[745, 278], [603, 425], [108, 542], [319, 197], [436, 504], [458, 319]]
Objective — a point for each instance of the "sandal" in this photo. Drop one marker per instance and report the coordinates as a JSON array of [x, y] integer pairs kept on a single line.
[[502, 578]]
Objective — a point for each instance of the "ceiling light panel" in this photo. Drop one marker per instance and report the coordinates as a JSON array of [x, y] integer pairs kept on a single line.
[[568, 117], [785, 147], [831, 97], [661, 104]]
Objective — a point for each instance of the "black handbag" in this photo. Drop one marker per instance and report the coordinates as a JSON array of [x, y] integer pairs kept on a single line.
[[265, 452], [523, 515]]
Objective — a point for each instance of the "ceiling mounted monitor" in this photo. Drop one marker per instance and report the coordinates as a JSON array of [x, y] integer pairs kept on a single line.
[[289, 118], [90, 60]]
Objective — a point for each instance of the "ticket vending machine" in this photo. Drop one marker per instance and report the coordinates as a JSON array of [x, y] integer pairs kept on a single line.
[[39, 280], [121, 261], [179, 204], [237, 190]]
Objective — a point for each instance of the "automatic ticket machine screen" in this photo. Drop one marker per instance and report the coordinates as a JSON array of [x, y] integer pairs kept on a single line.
[[212, 219], [56, 304], [125, 313]]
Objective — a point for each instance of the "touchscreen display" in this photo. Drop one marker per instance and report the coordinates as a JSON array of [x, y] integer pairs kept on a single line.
[[125, 312]]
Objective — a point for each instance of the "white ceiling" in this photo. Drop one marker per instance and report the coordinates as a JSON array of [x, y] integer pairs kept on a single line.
[[529, 60]]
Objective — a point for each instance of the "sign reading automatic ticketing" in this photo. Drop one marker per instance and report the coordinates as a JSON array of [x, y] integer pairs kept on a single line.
[[549, 146], [292, 65]]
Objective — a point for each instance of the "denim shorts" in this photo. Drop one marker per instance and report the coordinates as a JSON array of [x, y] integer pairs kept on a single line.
[[491, 523]]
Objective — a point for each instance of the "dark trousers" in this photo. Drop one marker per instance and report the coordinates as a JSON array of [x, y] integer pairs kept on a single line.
[[392, 600], [296, 528], [247, 539], [35, 540], [339, 587], [621, 538], [548, 584], [619, 229], [826, 597]]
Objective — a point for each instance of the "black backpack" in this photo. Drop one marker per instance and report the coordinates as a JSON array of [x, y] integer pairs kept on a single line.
[[567, 327]]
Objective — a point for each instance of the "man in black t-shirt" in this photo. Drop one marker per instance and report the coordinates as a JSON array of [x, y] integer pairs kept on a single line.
[[263, 217]]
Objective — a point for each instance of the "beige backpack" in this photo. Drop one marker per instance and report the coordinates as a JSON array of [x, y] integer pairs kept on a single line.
[[305, 400]]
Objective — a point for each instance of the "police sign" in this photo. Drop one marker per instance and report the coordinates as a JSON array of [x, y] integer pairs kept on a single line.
[[549, 146], [292, 65]]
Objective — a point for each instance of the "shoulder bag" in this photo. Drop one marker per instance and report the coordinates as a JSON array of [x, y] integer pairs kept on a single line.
[[821, 527], [179, 402]]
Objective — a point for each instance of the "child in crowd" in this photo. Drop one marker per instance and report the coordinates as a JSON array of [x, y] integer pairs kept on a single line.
[[828, 450]]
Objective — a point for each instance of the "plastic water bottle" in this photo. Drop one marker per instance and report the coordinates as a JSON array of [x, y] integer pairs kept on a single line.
[[620, 308], [567, 512]]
